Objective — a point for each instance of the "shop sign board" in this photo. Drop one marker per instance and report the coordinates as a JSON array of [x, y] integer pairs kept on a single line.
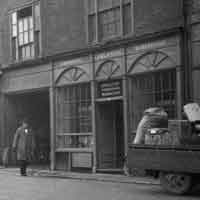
[[111, 88]]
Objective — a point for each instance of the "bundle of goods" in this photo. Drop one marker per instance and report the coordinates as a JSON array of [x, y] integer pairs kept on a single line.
[[152, 118]]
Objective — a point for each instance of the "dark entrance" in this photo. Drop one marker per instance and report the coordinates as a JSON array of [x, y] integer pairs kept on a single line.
[[34, 107], [110, 135]]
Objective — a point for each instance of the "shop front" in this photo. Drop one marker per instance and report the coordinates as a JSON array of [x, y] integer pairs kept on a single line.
[[86, 109], [25, 94], [154, 73], [100, 100], [109, 104]]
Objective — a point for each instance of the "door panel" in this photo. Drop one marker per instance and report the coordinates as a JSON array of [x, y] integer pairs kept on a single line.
[[110, 138]]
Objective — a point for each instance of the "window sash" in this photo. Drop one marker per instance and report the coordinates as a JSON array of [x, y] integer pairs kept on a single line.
[[73, 109], [111, 18], [25, 31]]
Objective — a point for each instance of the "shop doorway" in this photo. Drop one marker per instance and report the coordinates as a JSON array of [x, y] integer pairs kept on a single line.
[[35, 107], [110, 135]]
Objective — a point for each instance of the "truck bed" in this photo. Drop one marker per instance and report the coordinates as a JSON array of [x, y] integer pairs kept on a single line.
[[165, 158]]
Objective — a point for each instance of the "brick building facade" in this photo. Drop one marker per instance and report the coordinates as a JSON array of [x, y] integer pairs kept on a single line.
[[83, 72]]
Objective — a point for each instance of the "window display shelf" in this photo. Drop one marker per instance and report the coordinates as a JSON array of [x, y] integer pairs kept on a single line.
[[85, 150], [72, 134]]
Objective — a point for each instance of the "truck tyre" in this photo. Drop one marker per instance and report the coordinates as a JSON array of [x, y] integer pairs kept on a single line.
[[176, 183]]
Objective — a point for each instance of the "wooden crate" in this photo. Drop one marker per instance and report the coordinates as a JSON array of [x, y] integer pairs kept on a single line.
[[178, 132]]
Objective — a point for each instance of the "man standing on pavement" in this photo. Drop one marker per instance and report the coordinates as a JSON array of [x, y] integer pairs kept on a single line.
[[24, 145]]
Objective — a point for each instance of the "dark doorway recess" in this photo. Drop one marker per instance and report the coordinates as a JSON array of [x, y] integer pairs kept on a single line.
[[35, 108], [110, 135]]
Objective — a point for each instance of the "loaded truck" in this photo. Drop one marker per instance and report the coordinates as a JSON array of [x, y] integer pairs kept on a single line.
[[170, 152]]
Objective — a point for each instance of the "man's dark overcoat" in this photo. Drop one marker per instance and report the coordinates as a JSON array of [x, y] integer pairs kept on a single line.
[[24, 144]]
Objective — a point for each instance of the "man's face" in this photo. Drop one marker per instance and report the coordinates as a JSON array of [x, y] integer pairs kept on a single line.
[[25, 125]]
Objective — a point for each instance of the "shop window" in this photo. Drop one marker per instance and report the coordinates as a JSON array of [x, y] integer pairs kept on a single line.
[[74, 122], [152, 82], [25, 33], [108, 19], [156, 89]]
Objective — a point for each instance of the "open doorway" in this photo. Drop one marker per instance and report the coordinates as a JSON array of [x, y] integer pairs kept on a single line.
[[34, 107], [110, 135]]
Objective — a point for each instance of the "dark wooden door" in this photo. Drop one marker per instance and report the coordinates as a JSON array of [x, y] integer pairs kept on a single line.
[[110, 139]]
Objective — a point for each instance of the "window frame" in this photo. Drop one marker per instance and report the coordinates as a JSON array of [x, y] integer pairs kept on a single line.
[[63, 137], [96, 13], [15, 57], [153, 75]]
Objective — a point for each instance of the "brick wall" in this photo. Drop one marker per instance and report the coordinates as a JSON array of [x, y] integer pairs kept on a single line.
[[157, 15], [64, 26]]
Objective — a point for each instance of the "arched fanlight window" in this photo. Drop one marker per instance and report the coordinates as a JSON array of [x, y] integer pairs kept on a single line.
[[150, 61], [107, 70], [71, 75]]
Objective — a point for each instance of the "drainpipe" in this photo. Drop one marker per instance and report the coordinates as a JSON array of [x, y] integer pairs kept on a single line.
[[52, 120], [187, 54]]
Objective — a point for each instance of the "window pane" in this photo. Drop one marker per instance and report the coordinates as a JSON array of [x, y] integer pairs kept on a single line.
[[25, 24], [92, 28], [14, 30], [21, 39], [25, 12], [14, 18], [126, 1], [30, 22], [14, 48], [91, 6], [23, 52], [20, 26], [37, 16], [26, 37], [37, 43], [107, 4], [32, 51], [28, 51], [30, 35], [127, 18]]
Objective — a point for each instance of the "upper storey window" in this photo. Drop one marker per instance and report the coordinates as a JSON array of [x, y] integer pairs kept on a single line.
[[109, 18], [25, 33]]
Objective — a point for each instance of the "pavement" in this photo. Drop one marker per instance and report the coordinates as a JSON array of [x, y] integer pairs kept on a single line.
[[101, 177]]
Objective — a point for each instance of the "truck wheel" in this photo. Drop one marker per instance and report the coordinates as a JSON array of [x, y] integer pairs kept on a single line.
[[175, 183]]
